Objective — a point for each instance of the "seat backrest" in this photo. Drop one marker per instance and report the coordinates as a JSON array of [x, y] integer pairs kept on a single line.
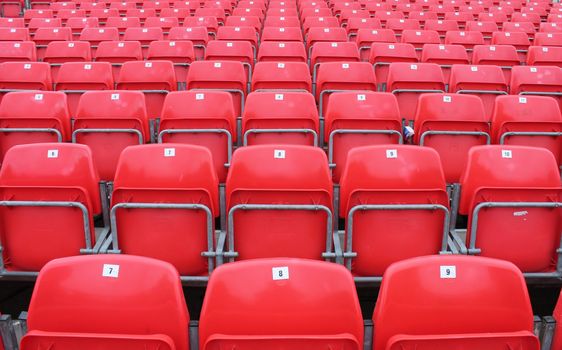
[[238, 34], [66, 51], [417, 295], [64, 305], [122, 23], [310, 314], [175, 51], [84, 76], [280, 34], [14, 34], [518, 39], [164, 23], [25, 76], [403, 75], [44, 35], [218, 50], [281, 76], [333, 52], [477, 78], [420, 37], [548, 39], [345, 76], [96, 35], [323, 34], [118, 51], [17, 51], [282, 52], [540, 56], [143, 35], [35, 110], [149, 75], [500, 55], [198, 35], [466, 38], [392, 52], [539, 78]]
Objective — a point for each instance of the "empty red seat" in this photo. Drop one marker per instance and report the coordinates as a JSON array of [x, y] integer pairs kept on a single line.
[[65, 312], [487, 28], [389, 194], [43, 36], [282, 21], [143, 35], [520, 27], [179, 13], [122, 7], [461, 17], [511, 194], [181, 53], [411, 311], [208, 22], [56, 184], [441, 26], [117, 53], [25, 76], [409, 80], [59, 52], [504, 56], [552, 27], [17, 51], [281, 76], [281, 11], [255, 12], [499, 17], [41, 22], [244, 21], [277, 186], [96, 35], [107, 122], [443, 120], [104, 14], [544, 56], [355, 119], [142, 14], [122, 23], [248, 34], [354, 24], [528, 121], [486, 82], [280, 117], [540, 80], [281, 34], [33, 117], [14, 34], [548, 39], [384, 16], [293, 290], [445, 56], [366, 37], [319, 22], [466, 39], [218, 13], [398, 25], [336, 76], [175, 185], [156, 5], [204, 118], [217, 75], [154, 78], [519, 40], [197, 35], [37, 13], [239, 51], [382, 55], [282, 52], [419, 38], [77, 25], [324, 52], [321, 34], [315, 11], [164, 23]]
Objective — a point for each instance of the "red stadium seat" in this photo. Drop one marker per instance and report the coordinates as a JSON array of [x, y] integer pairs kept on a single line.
[[310, 315], [399, 25], [142, 14], [544, 56], [528, 121], [392, 187], [354, 24], [443, 120], [541, 80], [122, 23], [24, 76], [518, 39], [520, 27], [366, 37], [244, 21], [320, 34], [282, 21], [143, 35], [117, 53], [107, 122], [445, 56], [181, 53], [56, 184], [419, 38], [511, 195], [486, 82], [17, 51], [462, 18], [43, 36], [282, 52], [65, 312], [336, 76], [355, 119], [164, 23], [203, 118], [41, 22], [382, 55], [548, 39], [239, 51], [281, 34], [280, 117], [154, 78], [281, 76], [487, 28], [226, 76], [265, 181], [412, 309], [441, 26], [104, 14], [218, 13], [33, 117], [320, 22], [248, 34], [254, 12], [407, 81], [324, 52], [59, 52], [77, 25], [504, 56], [466, 39], [208, 22], [96, 35], [197, 35], [180, 179], [14, 34]]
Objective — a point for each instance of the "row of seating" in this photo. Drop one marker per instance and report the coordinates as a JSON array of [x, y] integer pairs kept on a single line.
[[440, 302], [388, 195]]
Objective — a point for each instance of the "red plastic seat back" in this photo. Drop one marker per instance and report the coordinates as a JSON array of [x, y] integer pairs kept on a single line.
[[527, 114], [281, 76], [381, 55], [201, 110], [528, 237], [451, 112], [73, 297], [280, 110], [17, 51], [392, 175], [285, 175], [25, 76], [417, 295], [537, 80], [310, 313], [55, 172], [166, 173], [33, 110], [282, 52], [110, 110]]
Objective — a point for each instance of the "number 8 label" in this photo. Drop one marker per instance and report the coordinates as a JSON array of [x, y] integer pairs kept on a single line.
[[280, 273]]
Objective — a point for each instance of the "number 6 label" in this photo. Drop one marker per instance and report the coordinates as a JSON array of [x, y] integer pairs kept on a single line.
[[280, 273], [448, 272]]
